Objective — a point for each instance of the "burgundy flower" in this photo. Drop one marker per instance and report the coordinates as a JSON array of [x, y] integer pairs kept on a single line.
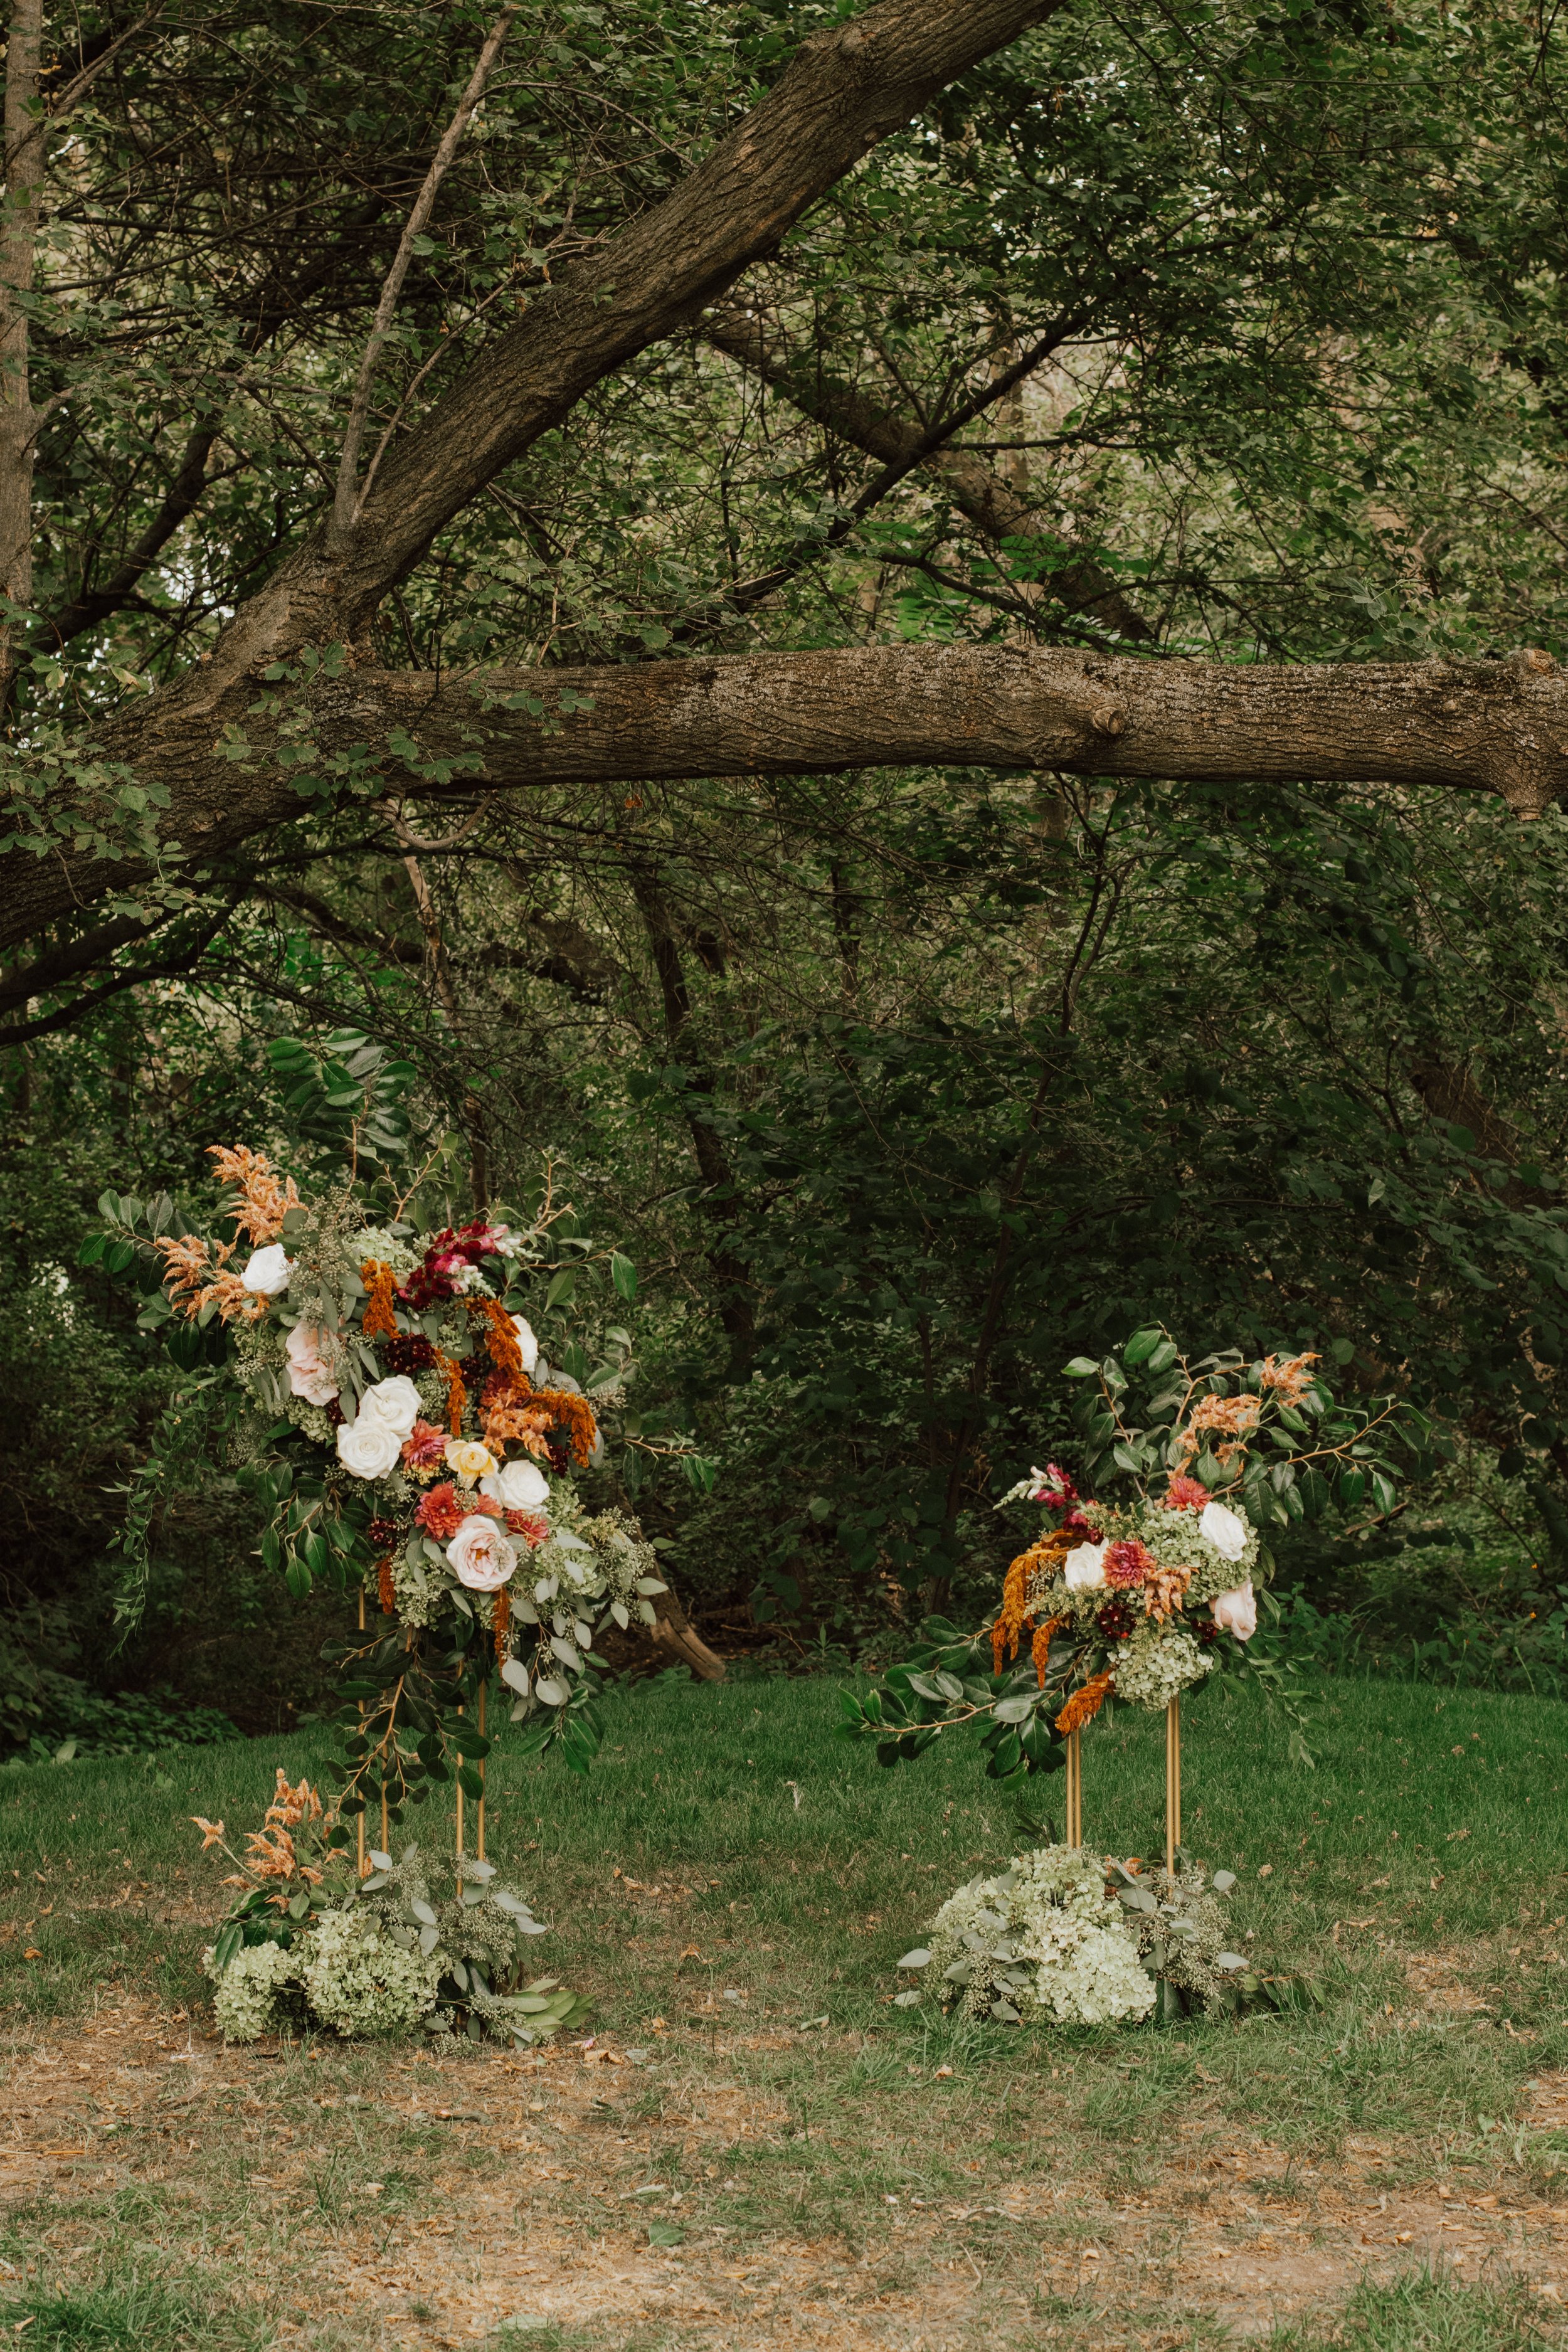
[[407, 1354], [381, 1534], [1115, 1620]]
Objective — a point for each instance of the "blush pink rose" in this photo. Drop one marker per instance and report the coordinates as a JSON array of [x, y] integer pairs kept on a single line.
[[309, 1376], [480, 1554], [1237, 1613]]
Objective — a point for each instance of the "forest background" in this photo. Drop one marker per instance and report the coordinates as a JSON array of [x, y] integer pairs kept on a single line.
[[1184, 328]]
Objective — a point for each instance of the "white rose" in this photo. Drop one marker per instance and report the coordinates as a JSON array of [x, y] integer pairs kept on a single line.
[[308, 1374], [481, 1554], [1224, 1529], [367, 1448], [528, 1343], [391, 1405], [1085, 1567], [1237, 1613], [268, 1270], [518, 1486]]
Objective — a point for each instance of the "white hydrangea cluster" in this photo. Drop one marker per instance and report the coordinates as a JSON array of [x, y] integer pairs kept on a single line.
[[1044, 1936], [1156, 1662], [358, 1980], [246, 2000]]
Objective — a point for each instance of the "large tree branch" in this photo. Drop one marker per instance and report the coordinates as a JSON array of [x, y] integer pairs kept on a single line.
[[847, 88], [1488, 727]]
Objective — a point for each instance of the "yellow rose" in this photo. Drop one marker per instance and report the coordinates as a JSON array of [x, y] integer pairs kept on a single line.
[[468, 1461]]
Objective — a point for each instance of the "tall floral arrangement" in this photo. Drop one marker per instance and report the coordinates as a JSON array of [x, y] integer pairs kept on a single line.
[[1145, 1594], [386, 1397]]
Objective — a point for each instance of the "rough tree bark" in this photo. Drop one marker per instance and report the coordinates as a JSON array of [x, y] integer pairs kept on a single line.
[[25, 166], [1491, 727]]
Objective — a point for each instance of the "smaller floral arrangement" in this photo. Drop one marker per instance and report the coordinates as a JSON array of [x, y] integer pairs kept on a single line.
[[437, 1943], [1145, 1596], [1066, 1938]]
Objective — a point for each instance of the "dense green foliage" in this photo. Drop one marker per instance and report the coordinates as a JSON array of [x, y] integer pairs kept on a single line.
[[901, 1088]]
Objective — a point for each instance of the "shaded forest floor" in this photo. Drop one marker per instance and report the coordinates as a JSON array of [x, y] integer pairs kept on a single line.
[[753, 2148]]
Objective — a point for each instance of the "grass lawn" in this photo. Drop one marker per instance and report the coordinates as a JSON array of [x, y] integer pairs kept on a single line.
[[757, 2149]]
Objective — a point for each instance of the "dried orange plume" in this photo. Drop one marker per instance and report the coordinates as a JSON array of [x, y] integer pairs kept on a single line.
[[263, 1201], [379, 1321], [456, 1393], [501, 1338], [1040, 1647], [383, 1585], [184, 1269], [1086, 1703], [502, 1620], [1013, 1616]]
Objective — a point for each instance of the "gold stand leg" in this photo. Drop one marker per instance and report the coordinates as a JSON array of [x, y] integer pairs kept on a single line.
[[363, 1864], [1075, 1789], [459, 1786], [479, 1825], [1173, 1782]]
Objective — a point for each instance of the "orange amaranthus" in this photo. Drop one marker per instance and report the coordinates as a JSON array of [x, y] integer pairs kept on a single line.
[[1085, 1704], [1040, 1647], [1014, 1617], [501, 1338], [379, 1320]]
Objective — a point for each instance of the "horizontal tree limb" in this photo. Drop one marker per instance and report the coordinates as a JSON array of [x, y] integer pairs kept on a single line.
[[1488, 726]]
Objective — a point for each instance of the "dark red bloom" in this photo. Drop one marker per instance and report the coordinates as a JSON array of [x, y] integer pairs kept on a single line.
[[1205, 1633], [381, 1534], [1115, 1620], [560, 1457], [441, 1270], [408, 1353], [334, 1412], [1075, 1524], [1055, 1489], [1127, 1563]]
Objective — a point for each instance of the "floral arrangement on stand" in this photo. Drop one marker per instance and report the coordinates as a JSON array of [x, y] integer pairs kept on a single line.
[[392, 1410], [1144, 1598], [433, 1941], [1065, 1938]]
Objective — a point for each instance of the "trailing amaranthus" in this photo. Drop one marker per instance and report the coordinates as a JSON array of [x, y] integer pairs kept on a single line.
[[1085, 1704]]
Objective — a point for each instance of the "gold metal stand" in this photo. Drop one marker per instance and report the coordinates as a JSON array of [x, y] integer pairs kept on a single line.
[[362, 1865], [1074, 1789], [1173, 1782], [459, 1785], [480, 1828]]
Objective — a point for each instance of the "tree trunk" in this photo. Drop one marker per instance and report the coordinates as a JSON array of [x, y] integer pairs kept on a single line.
[[25, 161]]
